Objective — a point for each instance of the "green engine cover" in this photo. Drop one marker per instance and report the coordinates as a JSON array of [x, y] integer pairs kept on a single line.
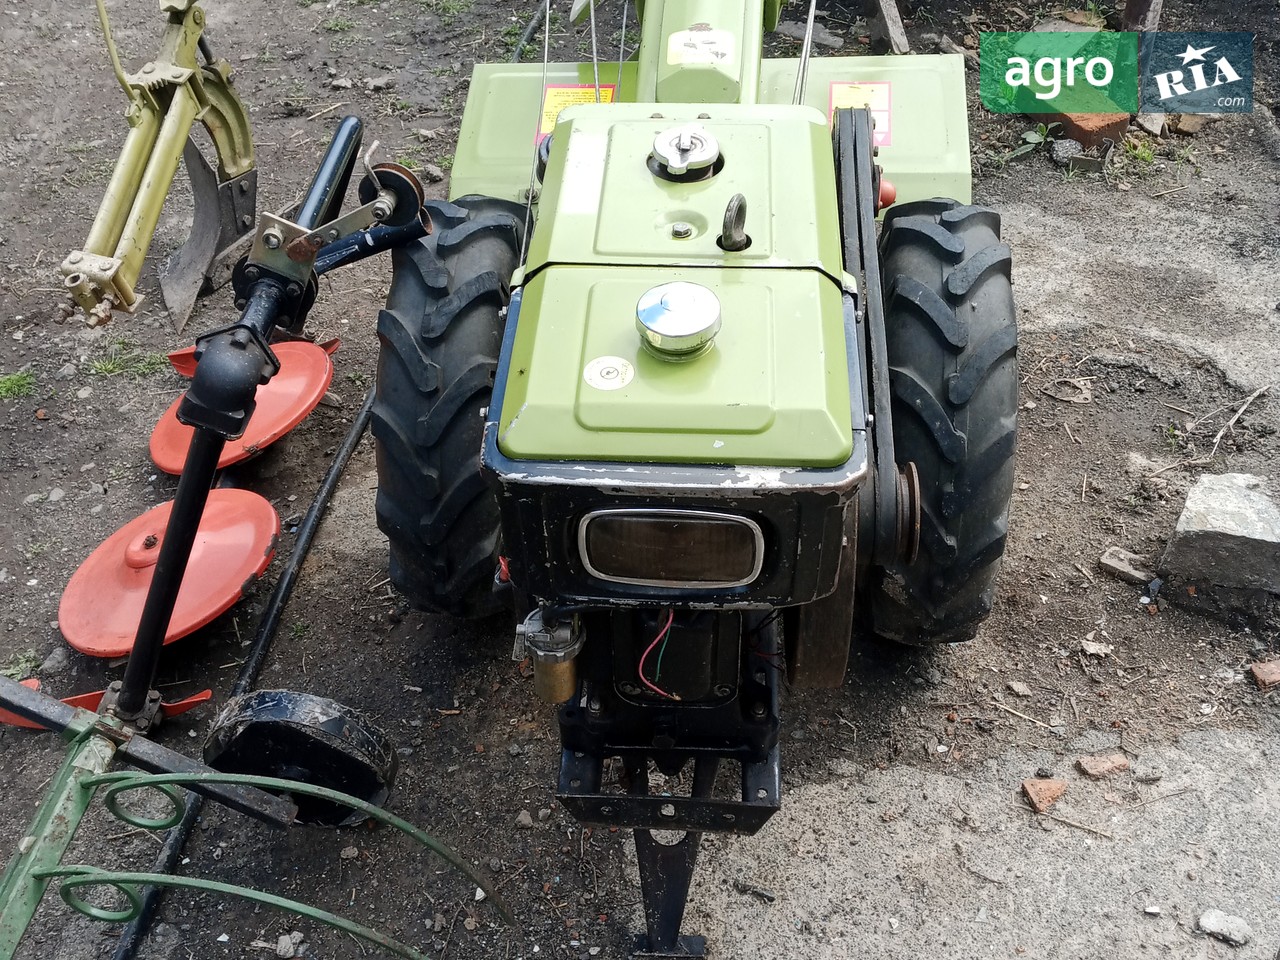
[[773, 389]]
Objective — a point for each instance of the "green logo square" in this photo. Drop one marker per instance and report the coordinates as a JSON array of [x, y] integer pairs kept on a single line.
[[1086, 72]]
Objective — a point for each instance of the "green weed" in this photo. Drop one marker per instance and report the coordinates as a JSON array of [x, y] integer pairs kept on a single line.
[[21, 665], [122, 357], [15, 385]]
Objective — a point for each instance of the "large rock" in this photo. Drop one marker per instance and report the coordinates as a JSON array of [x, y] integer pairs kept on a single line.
[[1228, 535]]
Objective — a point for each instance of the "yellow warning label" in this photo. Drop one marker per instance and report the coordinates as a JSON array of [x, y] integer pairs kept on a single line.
[[558, 96], [875, 95], [700, 44]]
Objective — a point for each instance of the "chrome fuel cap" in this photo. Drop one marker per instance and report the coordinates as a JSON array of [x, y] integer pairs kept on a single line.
[[687, 147], [679, 320]]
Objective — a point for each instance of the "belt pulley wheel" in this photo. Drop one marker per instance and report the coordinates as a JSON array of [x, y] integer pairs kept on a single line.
[[908, 513]]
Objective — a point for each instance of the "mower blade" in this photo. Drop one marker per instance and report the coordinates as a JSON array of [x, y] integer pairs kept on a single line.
[[179, 707], [221, 225]]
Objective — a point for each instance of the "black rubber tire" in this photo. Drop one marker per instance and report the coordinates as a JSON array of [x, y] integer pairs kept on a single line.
[[952, 346], [439, 339]]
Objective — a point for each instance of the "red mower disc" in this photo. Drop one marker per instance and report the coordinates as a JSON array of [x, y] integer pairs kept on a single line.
[[102, 605], [305, 374]]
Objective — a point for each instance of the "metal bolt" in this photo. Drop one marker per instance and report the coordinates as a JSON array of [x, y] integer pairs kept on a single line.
[[331, 236], [630, 689], [758, 710], [244, 186], [272, 239], [293, 290], [149, 68], [246, 220], [150, 542], [594, 704], [75, 258], [381, 210], [252, 273], [723, 690], [681, 230], [241, 303]]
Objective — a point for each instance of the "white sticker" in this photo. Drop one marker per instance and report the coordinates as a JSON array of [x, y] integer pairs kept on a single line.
[[609, 373], [700, 44]]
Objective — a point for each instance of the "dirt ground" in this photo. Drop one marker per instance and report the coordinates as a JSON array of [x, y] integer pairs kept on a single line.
[[902, 830]]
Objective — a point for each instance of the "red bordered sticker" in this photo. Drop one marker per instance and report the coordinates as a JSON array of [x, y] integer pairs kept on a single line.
[[557, 96]]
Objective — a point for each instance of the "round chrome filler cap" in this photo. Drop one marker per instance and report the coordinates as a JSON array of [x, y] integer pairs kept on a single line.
[[679, 320], [687, 147]]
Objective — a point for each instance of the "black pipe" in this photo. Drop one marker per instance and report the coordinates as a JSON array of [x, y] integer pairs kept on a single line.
[[366, 243], [329, 186], [530, 29], [167, 859], [175, 551]]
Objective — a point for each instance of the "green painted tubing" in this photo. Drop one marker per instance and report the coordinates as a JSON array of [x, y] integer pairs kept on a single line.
[[48, 836], [128, 884], [140, 224], [124, 781], [122, 190]]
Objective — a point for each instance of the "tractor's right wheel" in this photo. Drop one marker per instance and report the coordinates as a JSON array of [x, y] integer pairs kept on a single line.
[[440, 335], [952, 345]]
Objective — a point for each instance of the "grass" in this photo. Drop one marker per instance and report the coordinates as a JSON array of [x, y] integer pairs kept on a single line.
[[15, 385], [338, 24], [122, 357], [21, 665], [449, 10], [1139, 151]]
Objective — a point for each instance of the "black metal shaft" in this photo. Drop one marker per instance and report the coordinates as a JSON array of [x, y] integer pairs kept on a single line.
[[176, 839], [366, 243], [329, 186], [175, 551]]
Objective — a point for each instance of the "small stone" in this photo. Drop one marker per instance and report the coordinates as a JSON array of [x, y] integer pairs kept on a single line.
[[1189, 124], [432, 172], [1265, 675], [479, 895], [1125, 565], [340, 83], [66, 371], [894, 923], [350, 853], [1225, 927], [514, 749], [1061, 151], [1019, 689], [1103, 766], [524, 819], [375, 84], [1096, 648], [1152, 911], [84, 393], [56, 494], [31, 498], [56, 662], [1228, 534], [1153, 123], [285, 946], [469, 923], [1043, 793], [544, 814], [821, 35]]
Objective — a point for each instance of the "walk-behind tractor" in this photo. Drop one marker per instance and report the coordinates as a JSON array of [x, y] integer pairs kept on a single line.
[[702, 423], [655, 379]]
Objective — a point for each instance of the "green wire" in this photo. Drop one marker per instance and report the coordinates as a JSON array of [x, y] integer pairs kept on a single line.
[[657, 674]]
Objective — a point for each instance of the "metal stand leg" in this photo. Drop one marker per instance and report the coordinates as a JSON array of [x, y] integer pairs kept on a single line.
[[666, 870]]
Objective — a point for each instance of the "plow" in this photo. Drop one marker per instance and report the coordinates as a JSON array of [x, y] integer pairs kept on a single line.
[[705, 369]]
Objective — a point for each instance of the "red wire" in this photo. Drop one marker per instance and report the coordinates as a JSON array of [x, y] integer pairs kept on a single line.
[[671, 615]]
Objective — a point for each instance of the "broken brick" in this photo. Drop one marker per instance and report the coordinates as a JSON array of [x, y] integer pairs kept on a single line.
[[1042, 793], [1103, 766], [1265, 675], [1092, 128]]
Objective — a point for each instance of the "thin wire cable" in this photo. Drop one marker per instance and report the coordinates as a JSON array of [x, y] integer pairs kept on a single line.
[[542, 106], [622, 49], [595, 59], [671, 615], [806, 49]]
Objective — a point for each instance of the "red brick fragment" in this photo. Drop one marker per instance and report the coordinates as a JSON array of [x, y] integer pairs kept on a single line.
[[1265, 675], [1091, 128], [1043, 793], [1103, 766]]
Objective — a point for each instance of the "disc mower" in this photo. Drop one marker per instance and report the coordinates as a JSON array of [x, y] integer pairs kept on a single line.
[[661, 382]]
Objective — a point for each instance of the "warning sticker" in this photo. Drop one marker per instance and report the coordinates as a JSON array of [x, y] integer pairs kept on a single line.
[[557, 96], [876, 95], [700, 44]]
